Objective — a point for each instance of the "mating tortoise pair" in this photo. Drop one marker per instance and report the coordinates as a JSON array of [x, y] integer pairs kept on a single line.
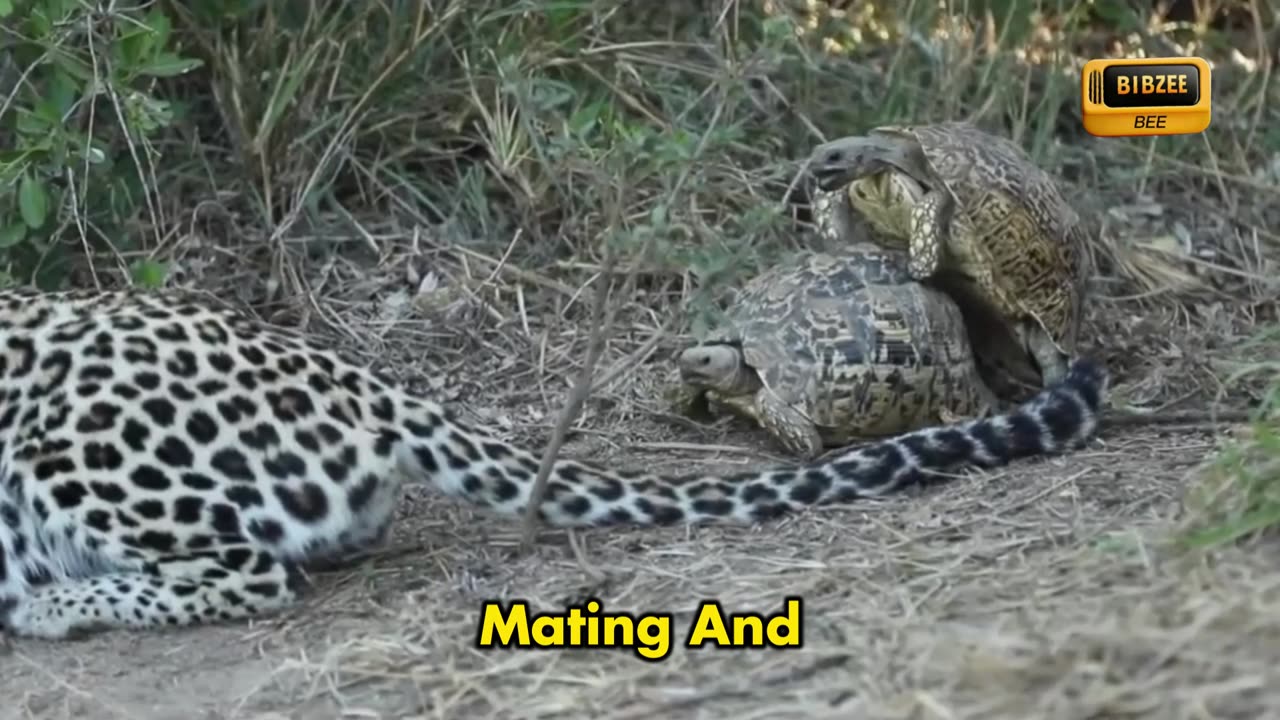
[[973, 280]]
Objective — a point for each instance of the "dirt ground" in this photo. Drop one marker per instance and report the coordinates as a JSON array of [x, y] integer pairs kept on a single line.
[[1047, 589], [1039, 591]]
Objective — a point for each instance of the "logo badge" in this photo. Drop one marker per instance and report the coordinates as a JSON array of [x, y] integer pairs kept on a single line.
[[1149, 96]]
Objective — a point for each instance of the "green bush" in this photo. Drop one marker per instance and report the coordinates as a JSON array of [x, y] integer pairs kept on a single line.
[[78, 158], [482, 116]]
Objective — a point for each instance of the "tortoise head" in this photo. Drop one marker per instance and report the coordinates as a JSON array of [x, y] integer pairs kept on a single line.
[[839, 162], [717, 366]]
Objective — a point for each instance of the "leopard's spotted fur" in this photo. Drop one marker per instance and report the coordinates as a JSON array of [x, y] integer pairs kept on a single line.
[[163, 462]]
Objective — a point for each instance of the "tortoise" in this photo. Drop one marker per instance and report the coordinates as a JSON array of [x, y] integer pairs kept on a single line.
[[1003, 361], [979, 220], [828, 348]]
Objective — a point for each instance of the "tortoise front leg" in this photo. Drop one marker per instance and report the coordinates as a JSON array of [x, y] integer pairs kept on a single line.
[[830, 215], [928, 232], [791, 427]]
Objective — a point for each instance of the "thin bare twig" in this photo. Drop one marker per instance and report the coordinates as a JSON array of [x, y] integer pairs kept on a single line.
[[582, 386]]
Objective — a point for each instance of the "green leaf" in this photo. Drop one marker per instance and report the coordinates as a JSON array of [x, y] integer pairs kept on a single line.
[[33, 124], [169, 65], [58, 97], [40, 25], [33, 201], [149, 273], [160, 27], [6, 8], [134, 45], [13, 234], [587, 118], [74, 67], [145, 40]]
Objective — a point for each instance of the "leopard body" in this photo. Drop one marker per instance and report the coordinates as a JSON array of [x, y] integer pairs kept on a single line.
[[166, 462]]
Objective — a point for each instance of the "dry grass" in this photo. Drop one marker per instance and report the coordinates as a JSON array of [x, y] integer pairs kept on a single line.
[[1042, 591], [1052, 589]]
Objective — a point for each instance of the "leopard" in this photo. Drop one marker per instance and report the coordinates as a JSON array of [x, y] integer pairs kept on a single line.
[[168, 460]]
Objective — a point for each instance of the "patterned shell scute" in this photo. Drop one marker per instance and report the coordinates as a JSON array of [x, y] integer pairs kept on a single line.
[[1031, 234], [814, 312], [856, 335]]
